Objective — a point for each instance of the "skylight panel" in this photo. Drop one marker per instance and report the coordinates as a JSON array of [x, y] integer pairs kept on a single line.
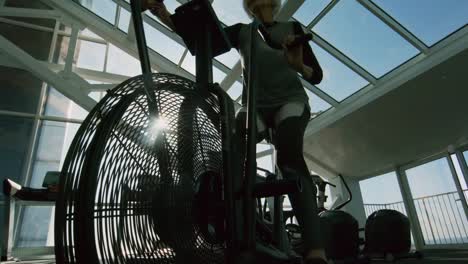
[[106, 9], [229, 59], [364, 38], [235, 91], [218, 75], [429, 20], [309, 10], [230, 12], [163, 44], [317, 104], [338, 81]]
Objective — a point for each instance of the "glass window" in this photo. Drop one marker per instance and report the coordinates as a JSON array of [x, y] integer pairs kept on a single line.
[[235, 91], [218, 75], [106, 9], [364, 38], [34, 229], [429, 20], [119, 62], [338, 81], [91, 55], [124, 20], [189, 63], [382, 192], [15, 137], [230, 12], [52, 145], [229, 59], [310, 10], [163, 44], [19, 90], [265, 162], [317, 104], [34, 42], [59, 105], [437, 203]]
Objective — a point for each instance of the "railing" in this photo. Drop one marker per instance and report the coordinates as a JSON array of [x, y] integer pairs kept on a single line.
[[442, 217]]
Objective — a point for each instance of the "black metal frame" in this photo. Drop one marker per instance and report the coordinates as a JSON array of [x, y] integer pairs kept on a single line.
[[203, 42]]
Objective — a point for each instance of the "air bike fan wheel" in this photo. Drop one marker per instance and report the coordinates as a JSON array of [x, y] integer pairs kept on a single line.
[[134, 187]]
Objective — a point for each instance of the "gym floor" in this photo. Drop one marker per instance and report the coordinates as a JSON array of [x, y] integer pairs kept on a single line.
[[430, 257]]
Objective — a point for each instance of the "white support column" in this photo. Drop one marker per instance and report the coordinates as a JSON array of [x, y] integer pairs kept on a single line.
[[458, 185], [463, 165], [410, 208], [356, 206], [69, 60], [37, 68]]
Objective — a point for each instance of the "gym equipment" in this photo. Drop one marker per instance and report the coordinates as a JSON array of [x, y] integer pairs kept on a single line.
[[388, 235], [339, 229], [151, 174]]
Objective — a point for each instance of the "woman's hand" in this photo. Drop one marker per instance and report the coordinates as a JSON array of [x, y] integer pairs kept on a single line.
[[294, 56], [160, 11]]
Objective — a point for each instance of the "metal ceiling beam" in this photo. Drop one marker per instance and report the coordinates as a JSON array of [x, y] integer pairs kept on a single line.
[[24, 24], [232, 76], [96, 24], [344, 59], [437, 54], [28, 12], [392, 23], [317, 91], [322, 14], [37, 68]]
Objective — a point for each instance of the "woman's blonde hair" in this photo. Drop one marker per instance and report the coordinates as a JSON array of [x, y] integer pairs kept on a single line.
[[276, 3]]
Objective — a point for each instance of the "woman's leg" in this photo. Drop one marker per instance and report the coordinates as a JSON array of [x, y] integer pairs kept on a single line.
[[290, 123]]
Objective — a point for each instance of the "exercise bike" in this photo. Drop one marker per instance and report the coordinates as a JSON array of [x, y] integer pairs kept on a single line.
[[153, 174]]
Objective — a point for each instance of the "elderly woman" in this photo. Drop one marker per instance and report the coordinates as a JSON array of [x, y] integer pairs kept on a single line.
[[282, 104]]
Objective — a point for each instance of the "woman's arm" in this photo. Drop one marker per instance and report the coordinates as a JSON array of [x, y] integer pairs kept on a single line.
[[311, 70], [160, 11]]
